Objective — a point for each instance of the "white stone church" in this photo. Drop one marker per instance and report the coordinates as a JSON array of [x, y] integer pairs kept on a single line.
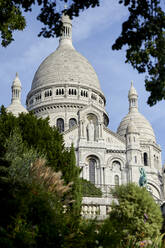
[[66, 88]]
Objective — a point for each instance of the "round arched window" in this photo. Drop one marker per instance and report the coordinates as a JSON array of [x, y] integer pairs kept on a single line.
[[116, 180], [92, 166], [145, 157], [60, 125], [72, 122]]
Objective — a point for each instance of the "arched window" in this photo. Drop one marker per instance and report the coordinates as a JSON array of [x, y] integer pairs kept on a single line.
[[72, 122], [145, 156], [48, 93], [116, 180], [60, 125], [93, 96], [92, 166]]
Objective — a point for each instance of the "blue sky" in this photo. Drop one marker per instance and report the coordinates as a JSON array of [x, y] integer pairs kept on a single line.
[[94, 32]]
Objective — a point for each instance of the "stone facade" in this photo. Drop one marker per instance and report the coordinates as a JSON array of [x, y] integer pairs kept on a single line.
[[66, 88]]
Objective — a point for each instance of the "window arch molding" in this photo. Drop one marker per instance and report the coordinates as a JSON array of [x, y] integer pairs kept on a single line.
[[118, 159], [116, 164], [88, 113], [155, 188]]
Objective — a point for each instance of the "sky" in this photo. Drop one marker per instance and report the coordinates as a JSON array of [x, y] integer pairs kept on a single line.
[[94, 32]]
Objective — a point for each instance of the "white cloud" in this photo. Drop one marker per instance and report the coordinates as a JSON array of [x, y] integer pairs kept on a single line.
[[39, 50], [97, 19]]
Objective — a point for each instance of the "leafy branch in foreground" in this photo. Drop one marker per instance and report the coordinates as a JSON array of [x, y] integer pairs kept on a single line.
[[11, 15], [144, 35]]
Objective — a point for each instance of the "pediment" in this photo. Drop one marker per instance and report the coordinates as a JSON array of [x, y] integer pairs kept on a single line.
[[113, 141]]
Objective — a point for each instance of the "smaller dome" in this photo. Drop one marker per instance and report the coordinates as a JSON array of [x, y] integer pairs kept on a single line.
[[16, 108], [142, 125], [131, 128], [135, 120]]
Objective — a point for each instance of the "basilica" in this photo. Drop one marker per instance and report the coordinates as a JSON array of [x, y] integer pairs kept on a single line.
[[66, 88]]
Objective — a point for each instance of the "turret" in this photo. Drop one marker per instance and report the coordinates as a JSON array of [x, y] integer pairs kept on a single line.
[[16, 90], [16, 107], [133, 99], [133, 144], [66, 33]]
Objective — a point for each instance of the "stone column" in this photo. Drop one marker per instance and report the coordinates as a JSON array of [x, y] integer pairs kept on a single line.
[[66, 90], [87, 173], [98, 175], [81, 129], [66, 124], [101, 175], [123, 177], [100, 129]]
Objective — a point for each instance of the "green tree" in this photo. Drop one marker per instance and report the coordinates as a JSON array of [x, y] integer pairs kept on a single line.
[[142, 33], [34, 199], [38, 136], [134, 216], [89, 189], [72, 174]]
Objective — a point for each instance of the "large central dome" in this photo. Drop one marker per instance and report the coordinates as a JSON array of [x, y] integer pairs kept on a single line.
[[65, 65], [64, 83]]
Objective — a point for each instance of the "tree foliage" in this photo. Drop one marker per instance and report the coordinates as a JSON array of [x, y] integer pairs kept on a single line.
[[143, 33], [89, 189], [72, 174], [11, 15], [39, 140], [135, 216], [34, 200]]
